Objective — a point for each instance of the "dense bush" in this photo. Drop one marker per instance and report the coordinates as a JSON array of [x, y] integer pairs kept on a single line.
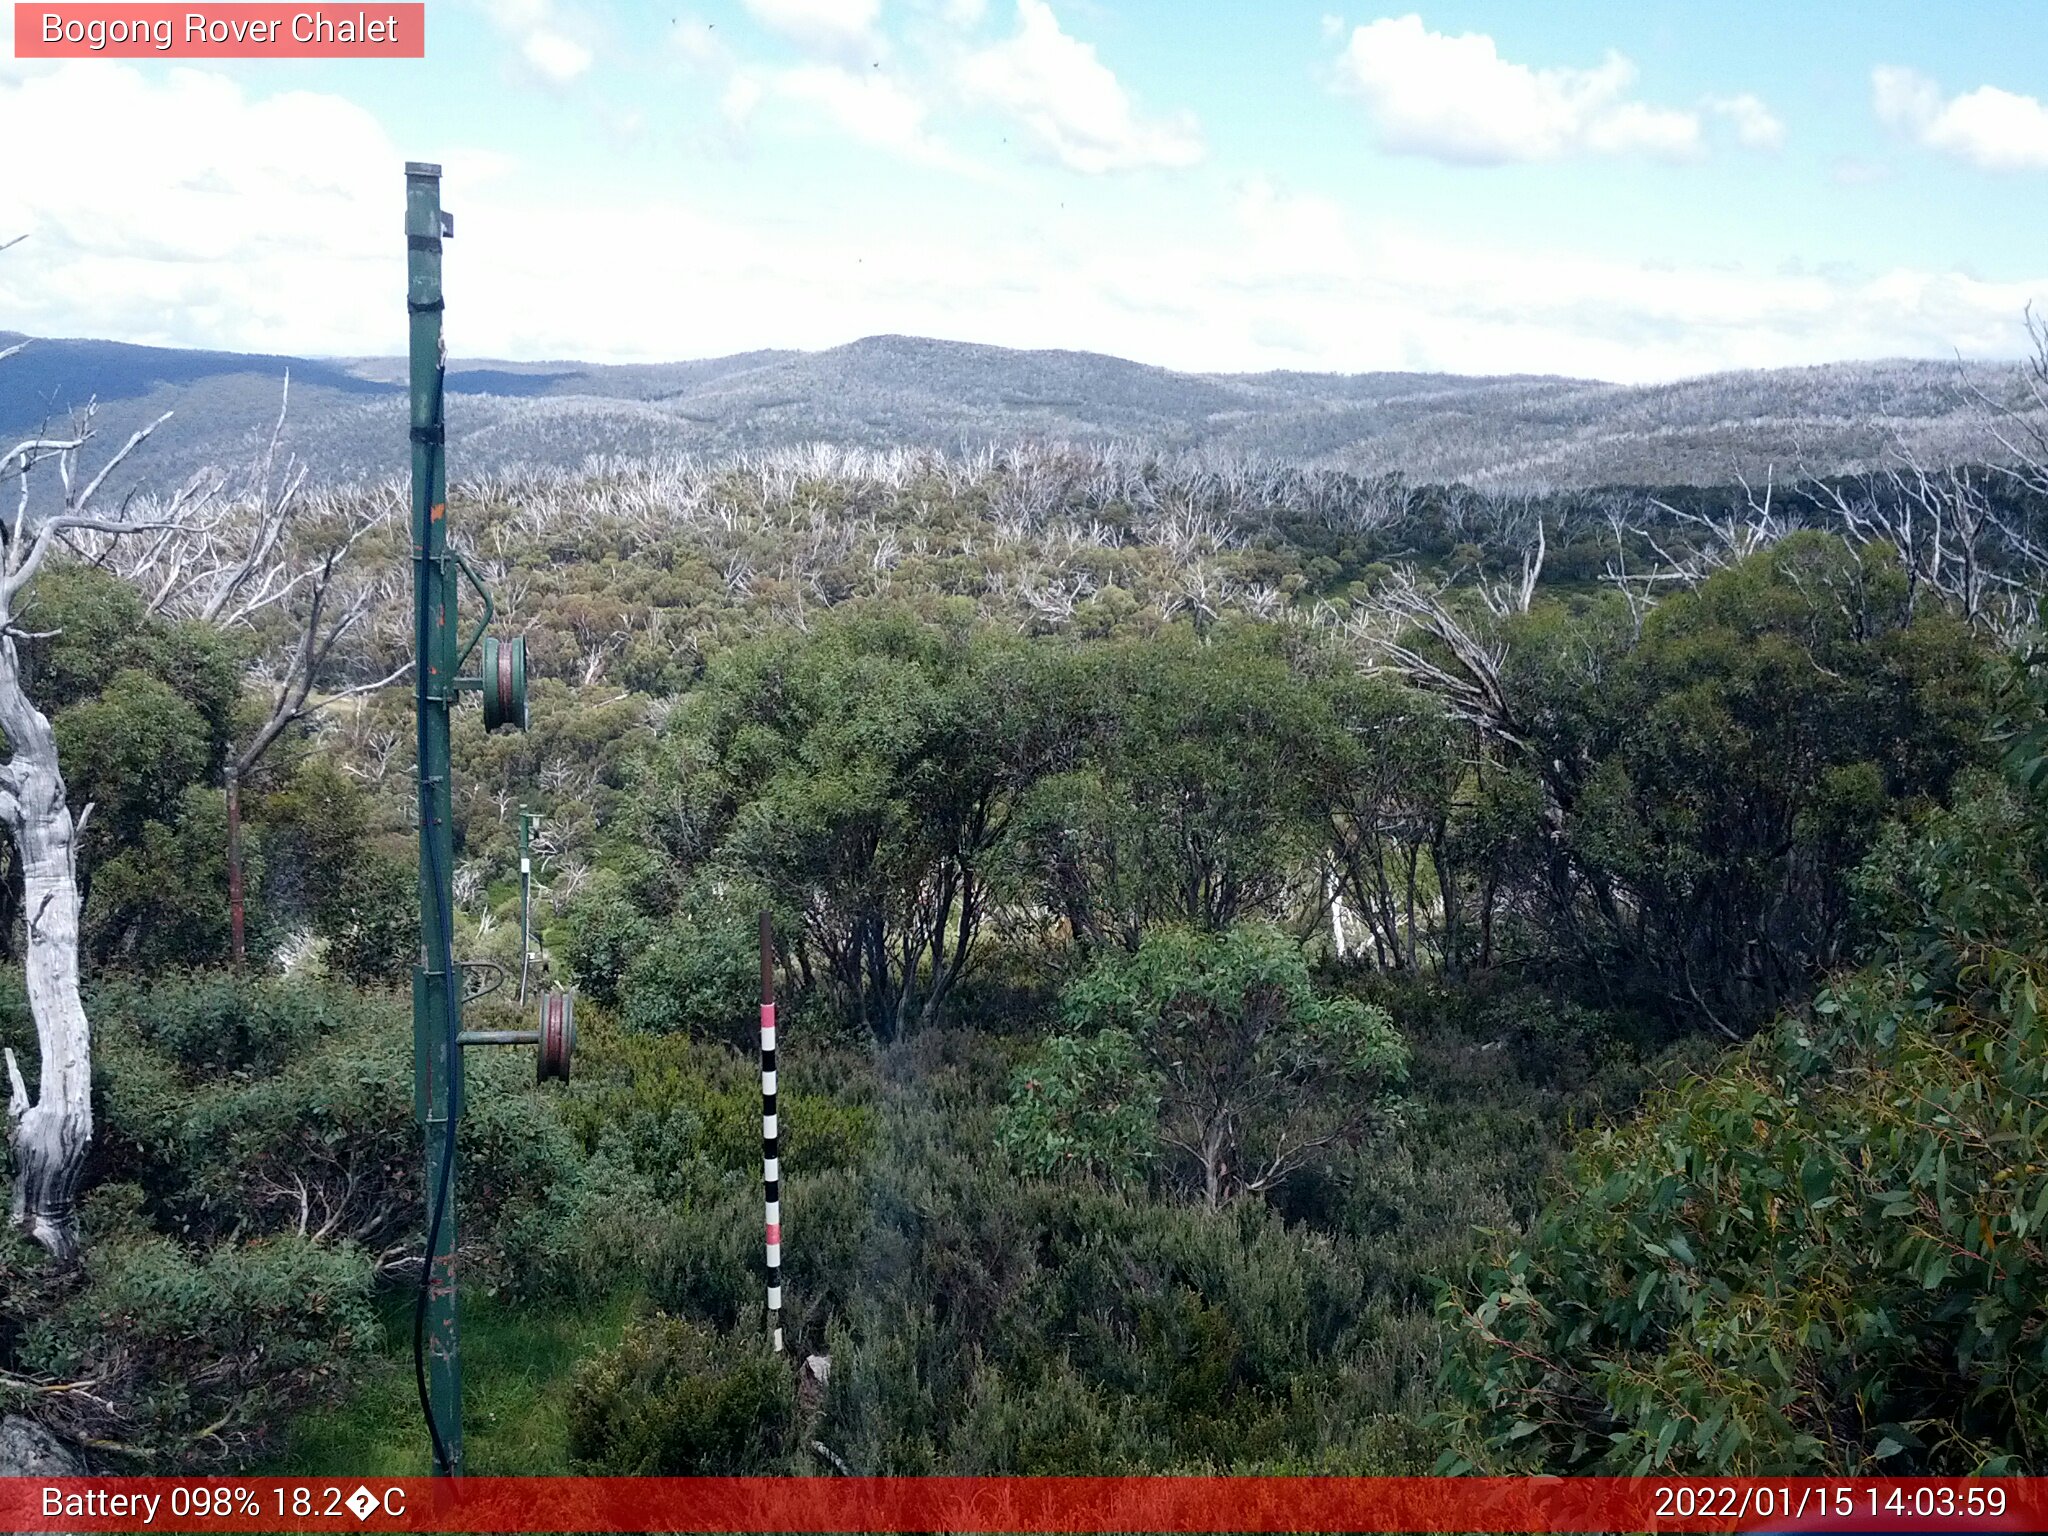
[[1084, 1104], [661, 1103], [1826, 1255], [699, 974], [676, 1399], [186, 1353], [1058, 1328], [1248, 1074], [257, 1172], [1056, 862], [1705, 788], [604, 933], [325, 869]]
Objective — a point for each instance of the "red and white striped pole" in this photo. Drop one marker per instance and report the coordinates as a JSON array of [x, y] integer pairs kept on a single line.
[[771, 1161]]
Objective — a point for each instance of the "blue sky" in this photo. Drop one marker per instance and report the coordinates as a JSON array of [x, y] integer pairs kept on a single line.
[[1632, 192]]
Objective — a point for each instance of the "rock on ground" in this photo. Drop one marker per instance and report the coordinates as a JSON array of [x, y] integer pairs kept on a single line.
[[29, 1450]]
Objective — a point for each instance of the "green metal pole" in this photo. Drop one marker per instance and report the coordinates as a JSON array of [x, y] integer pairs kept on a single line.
[[436, 992]]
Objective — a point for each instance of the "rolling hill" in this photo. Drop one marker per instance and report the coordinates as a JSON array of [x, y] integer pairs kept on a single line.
[[347, 415]]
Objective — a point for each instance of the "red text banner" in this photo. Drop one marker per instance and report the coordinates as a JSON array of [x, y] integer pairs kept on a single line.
[[230, 31], [995, 1504]]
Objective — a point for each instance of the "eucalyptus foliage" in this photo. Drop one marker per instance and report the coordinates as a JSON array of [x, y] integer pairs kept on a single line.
[[1832, 1253]]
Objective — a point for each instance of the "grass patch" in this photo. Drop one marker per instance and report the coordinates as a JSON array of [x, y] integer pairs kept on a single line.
[[517, 1363]]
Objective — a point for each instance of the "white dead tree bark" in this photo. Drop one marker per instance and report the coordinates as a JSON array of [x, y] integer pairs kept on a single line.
[[1409, 629], [1502, 598], [51, 1131]]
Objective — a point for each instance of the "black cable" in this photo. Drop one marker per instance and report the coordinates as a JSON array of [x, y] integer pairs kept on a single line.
[[432, 843], [442, 1188]]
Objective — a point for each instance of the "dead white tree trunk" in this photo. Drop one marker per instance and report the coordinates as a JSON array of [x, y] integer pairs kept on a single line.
[[50, 1132]]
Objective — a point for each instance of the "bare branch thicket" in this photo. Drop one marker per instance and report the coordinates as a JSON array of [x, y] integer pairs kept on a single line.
[[1638, 588], [1409, 630], [597, 656], [1053, 596], [1757, 524], [2019, 423], [1262, 600], [1952, 534]]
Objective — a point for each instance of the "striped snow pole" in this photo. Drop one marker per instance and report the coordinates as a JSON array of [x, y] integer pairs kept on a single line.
[[771, 1161]]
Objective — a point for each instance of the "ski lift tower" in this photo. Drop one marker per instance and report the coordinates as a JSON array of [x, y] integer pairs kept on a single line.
[[437, 982]]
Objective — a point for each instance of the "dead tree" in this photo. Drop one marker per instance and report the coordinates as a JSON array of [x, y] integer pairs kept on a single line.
[[52, 1131], [275, 559], [1720, 542], [1409, 629]]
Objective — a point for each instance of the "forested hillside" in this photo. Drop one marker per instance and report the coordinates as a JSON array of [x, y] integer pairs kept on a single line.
[[1283, 970], [895, 392]]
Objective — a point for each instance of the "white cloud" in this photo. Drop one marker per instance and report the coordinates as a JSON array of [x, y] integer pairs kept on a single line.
[[1071, 101], [1756, 125], [1903, 98], [1287, 232], [868, 106], [266, 224], [1853, 171], [861, 104], [1996, 129], [843, 27], [188, 207], [865, 104], [554, 56], [744, 93], [552, 44], [1456, 99]]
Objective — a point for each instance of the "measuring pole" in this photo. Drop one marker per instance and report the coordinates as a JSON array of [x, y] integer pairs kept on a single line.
[[436, 990], [771, 1160], [525, 899]]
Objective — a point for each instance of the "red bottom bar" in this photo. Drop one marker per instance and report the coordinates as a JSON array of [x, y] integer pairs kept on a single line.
[[993, 1504]]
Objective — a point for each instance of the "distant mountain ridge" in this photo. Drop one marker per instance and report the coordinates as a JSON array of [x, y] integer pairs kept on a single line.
[[347, 414]]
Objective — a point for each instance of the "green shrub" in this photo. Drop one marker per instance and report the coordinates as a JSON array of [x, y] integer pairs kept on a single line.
[[699, 977], [678, 1399], [1553, 1039], [1257, 1075], [370, 919], [1826, 1256], [211, 1024], [193, 1355], [255, 1169], [662, 1101], [1083, 1104], [604, 933]]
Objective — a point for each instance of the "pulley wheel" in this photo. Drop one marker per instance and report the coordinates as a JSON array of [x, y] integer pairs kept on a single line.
[[557, 1035], [504, 683]]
